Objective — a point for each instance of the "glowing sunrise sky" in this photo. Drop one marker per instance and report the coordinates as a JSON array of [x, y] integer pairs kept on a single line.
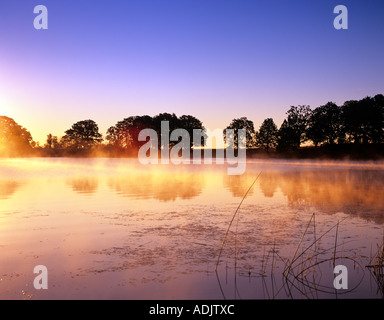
[[214, 59]]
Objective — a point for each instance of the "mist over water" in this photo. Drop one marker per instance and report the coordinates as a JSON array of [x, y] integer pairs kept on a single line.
[[114, 228]]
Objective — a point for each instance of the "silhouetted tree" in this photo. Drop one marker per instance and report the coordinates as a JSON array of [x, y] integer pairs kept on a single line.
[[287, 137], [118, 135], [173, 123], [82, 136], [49, 143], [124, 135], [363, 120], [374, 125], [378, 135], [52, 147], [292, 132], [325, 124], [14, 139], [242, 123], [267, 136], [353, 119], [52, 142], [191, 123]]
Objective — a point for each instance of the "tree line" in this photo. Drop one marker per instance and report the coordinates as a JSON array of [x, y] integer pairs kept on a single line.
[[84, 137], [356, 122]]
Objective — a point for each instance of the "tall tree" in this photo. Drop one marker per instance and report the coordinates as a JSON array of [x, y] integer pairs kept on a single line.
[[325, 124], [236, 125], [173, 123], [353, 121], [14, 139], [124, 135], [52, 142], [292, 132], [267, 136], [287, 137], [363, 120], [82, 136], [191, 123], [378, 134]]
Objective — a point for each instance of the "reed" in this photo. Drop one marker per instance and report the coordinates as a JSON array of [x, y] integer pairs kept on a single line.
[[233, 218], [378, 259], [302, 274], [305, 275], [376, 267]]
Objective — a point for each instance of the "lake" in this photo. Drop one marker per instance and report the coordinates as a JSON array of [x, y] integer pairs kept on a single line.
[[117, 229]]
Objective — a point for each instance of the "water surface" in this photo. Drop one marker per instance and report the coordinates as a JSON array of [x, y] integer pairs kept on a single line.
[[116, 229]]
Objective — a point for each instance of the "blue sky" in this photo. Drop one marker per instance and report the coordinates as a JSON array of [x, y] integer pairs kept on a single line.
[[215, 59]]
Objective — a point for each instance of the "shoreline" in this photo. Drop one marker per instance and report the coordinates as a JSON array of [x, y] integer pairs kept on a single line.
[[368, 152]]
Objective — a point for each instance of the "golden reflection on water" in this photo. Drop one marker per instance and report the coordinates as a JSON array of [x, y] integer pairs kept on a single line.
[[159, 186], [8, 188], [351, 191], [96, 220], [337, 189], [84, 185], [354, 191]]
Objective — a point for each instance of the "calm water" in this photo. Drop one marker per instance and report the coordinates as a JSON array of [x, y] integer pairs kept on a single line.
[[115, 229]]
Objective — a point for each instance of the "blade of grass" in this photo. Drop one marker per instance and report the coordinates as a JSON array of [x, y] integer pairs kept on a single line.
[[233, 218]]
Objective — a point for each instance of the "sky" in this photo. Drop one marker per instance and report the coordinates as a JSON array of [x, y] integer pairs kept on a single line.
[[214, 59]]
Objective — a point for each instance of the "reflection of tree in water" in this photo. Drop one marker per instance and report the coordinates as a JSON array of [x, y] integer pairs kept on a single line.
[[350, 191], [84, 185], [163, 187], [268, 183], [239, 184], [8, 188]]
